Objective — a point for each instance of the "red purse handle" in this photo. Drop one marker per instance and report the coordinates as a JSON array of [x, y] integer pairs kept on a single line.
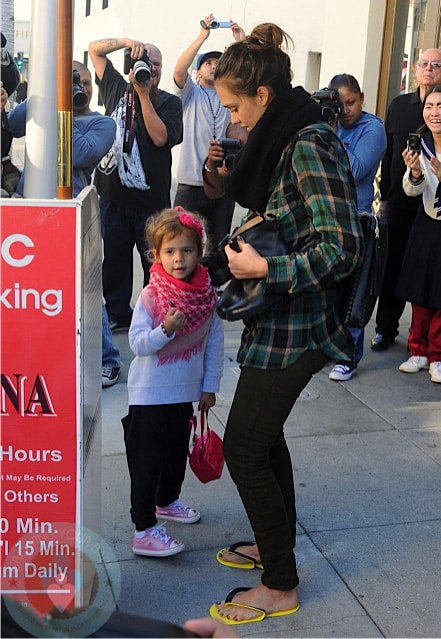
[[193, 423]]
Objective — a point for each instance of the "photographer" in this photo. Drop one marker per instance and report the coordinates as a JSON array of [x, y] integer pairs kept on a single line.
[[92, 137], [92, 133], [205, 119], [221, 158], [364, 138], [134, 179], [9, 82]]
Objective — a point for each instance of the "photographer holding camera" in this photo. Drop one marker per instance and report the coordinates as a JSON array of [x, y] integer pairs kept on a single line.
[[205, 119], [92, 133], [222, 155], [134, 179], [10, 78], [364, 138], [92, 136]]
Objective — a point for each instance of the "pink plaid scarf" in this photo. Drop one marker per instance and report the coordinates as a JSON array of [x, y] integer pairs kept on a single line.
[[196, 299]]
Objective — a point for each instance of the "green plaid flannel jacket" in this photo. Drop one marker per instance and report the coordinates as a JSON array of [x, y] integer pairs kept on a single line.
[[313, 198]]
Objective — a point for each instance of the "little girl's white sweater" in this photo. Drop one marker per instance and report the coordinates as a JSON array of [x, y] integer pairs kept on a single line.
[[176, 380]]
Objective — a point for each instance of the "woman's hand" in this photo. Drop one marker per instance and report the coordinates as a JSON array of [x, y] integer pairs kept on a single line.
[[246, 264], [435, 166], [208, 627], [238, 32], [412, 160], [216, 155]]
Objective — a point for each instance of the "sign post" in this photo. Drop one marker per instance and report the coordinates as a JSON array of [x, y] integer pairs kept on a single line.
[[50, 444]]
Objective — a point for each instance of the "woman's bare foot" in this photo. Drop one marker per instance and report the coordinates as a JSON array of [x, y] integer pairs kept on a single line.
[[267, 599], [234, 556]]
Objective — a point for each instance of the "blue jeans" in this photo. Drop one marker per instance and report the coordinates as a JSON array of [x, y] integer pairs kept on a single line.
[[358, 337], [110, 354]]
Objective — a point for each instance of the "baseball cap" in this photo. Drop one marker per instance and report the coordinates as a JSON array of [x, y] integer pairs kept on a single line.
[[205, 56]]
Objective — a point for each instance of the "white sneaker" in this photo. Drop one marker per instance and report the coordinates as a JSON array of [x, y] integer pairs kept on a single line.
[[435, 372], [414, 364], [341, 373]]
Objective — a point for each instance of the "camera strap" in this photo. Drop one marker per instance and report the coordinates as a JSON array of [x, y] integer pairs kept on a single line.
[[129, 119]]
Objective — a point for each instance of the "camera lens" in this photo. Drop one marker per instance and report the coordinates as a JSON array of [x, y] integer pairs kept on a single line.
[[79, 98], [141, 71]]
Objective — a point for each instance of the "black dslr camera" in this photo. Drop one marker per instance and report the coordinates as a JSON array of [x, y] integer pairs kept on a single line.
[[80, 98], [142, 69], [231, 147], [330, 103], [9, 71]]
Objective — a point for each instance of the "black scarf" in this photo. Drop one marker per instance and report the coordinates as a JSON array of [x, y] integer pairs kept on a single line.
[[428, 149], [249, 182]]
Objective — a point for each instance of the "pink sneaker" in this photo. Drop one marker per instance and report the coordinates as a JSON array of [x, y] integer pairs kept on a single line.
[[156, 543], [178, 511]]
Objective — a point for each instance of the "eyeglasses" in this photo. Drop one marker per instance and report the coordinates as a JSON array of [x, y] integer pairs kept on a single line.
[[423, 64]]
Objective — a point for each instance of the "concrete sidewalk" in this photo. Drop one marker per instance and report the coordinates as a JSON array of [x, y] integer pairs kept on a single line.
[[367, 460]]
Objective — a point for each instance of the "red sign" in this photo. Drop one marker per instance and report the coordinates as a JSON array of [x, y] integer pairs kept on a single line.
[[39, 389]]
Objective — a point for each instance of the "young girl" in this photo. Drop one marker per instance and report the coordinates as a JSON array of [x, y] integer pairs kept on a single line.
[[420, 277], [177, 339]]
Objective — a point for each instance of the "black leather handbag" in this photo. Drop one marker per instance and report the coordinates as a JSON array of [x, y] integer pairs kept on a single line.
[[245, 297], [362, 288]]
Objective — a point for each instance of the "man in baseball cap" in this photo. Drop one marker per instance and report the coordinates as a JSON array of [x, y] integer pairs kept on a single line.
[[205, 57], [205, 119]]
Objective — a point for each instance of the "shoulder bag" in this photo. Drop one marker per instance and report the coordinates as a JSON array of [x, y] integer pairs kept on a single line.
[[245, 297], [361, 289]]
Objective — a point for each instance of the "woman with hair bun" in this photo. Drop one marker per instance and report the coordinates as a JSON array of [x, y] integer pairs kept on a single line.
[[295, 170]]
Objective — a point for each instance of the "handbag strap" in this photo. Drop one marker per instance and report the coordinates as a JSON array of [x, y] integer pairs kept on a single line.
[[249, 224], [193, 423]]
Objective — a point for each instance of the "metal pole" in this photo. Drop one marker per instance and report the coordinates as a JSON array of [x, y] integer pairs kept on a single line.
[[64, 98], [41, 118]]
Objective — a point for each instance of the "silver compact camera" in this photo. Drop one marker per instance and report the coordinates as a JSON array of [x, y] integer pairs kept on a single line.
[[216, 24]]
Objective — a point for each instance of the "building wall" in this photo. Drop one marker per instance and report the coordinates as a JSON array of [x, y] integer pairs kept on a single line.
[[329, 37]]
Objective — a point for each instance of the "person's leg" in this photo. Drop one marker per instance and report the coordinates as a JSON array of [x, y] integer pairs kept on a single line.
[[139, 222], [118, 243], [176, 436], [259, 461], [418, 341], [145, 459], [434, 349], [390, 308], [110, 354], [358, 338], [217, 214]]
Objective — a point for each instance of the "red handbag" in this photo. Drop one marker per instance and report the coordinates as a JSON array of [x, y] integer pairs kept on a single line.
[[206, 458]]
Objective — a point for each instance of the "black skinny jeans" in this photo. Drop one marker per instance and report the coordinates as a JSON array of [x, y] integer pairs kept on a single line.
[[390, 307], [259, 462]]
